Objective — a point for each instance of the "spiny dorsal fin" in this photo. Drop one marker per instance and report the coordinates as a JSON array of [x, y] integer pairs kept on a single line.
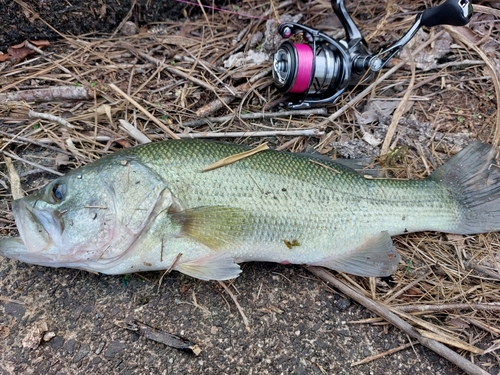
[[214, 226]]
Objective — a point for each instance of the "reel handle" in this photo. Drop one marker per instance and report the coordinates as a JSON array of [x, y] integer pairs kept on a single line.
[[352, 33], [451, 12]]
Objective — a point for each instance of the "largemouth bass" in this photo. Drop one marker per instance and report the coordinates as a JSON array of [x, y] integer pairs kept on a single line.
[[156, 207]]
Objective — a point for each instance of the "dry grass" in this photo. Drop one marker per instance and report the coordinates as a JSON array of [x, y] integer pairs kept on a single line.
[[172, 74]]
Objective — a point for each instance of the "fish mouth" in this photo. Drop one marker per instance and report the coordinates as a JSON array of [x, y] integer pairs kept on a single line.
[[43, 243], [35, 227]]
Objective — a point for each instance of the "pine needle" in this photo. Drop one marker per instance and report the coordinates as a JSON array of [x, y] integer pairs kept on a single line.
[[234, 158]]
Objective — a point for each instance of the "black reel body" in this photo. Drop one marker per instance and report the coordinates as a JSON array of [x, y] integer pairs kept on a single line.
[[319, 69]]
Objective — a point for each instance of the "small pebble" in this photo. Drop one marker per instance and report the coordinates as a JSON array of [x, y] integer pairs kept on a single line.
[[129, 28], [48, 336]]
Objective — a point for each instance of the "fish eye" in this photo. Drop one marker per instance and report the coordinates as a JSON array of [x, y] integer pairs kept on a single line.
[[58, 191]]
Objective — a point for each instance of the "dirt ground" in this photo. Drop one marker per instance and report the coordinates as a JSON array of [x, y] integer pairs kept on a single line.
[[296, 325], [65, 321], [50, 18]]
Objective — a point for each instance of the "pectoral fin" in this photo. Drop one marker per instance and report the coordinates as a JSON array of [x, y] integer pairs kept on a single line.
[[214, 226], [216, 266], [376, 257]]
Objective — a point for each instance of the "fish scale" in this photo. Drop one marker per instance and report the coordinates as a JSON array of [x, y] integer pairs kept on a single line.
[[342, 209], [156, 207]]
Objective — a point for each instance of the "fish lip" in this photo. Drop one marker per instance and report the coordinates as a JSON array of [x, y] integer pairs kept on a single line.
[[40, 231], [39, 247], [23, 214], [17, 207]]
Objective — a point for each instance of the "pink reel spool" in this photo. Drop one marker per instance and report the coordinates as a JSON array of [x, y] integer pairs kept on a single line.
[[305, 57]]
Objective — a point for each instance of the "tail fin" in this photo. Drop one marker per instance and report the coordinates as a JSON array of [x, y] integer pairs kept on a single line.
[[473, 178]]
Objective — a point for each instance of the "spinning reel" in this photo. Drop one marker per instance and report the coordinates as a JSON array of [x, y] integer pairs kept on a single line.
[[319, 70]]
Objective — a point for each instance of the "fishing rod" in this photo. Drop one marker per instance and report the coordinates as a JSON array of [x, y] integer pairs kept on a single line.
[[317, 70]]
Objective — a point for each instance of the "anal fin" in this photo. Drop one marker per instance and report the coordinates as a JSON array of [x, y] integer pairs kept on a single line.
[[377, 257], [216, 266]]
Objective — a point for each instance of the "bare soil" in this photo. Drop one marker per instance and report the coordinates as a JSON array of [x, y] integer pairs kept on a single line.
[[297, 326], [50, 19]]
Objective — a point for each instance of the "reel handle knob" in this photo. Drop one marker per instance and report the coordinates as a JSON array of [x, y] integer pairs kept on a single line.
[[451, 12]]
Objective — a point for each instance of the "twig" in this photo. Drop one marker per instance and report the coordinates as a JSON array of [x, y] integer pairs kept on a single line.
[[324, 166], [155, 334], [494, 76], [206, 17], [21, 175], [146, 112], [488, 328], [408, 286], [15, 182], [266, 133], [399, 110], [198, 306], [225, 100], [34, 48], [169, 269], [200, 62], [6, 299], [478, 268], [258, 115], [382, 311], [380, 355], [222, 101], [214, 106], [169, 69], [450, 64], [370, 87], [125, 19], [51, 94], [18, 138], [49, 117], [134, 132], [485, 9], [449, 341], [245, 319], [32, 164], [260, 75], [494, 306]]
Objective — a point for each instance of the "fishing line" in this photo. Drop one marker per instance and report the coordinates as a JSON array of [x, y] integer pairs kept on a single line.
[[223, 10], [305, 63]]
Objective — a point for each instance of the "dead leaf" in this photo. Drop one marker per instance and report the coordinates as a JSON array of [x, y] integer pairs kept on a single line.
[[62, 159], [40, 43], [428, 58], [18, 52], [375, 109], [4, 332], [457, 322]]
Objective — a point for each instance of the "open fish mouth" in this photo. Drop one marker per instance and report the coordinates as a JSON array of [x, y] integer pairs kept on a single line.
[[34, 234], [40, 239]]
